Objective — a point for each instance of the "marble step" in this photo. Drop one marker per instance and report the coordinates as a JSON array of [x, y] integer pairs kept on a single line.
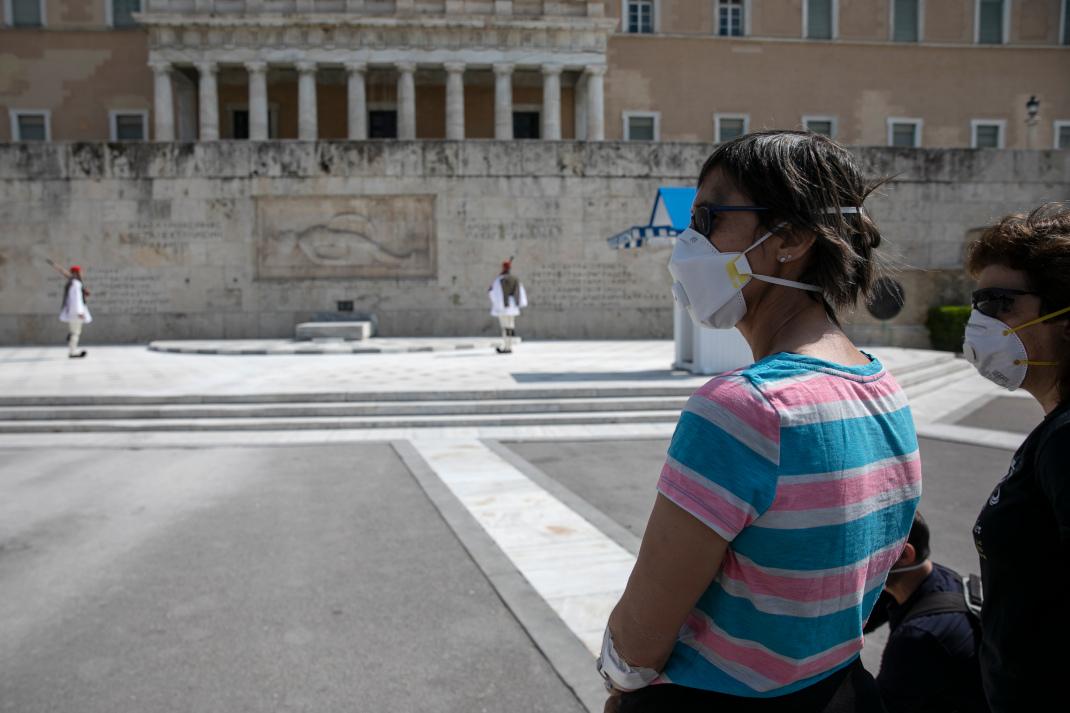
[[400, 395], [340, 423], [937, 373], [341, 409]]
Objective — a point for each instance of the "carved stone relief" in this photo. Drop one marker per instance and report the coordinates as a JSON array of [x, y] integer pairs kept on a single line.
[[341, 236]]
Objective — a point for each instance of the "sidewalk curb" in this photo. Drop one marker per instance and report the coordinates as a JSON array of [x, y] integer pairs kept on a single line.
[[563, 651]]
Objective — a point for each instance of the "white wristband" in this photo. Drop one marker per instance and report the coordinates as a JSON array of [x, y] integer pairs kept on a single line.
[[618, 672]]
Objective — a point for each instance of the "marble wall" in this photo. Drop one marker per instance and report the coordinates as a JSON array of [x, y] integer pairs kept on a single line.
[[244, 240]]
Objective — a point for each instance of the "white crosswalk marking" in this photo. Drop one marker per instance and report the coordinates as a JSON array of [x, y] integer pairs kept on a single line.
[[579, 571]]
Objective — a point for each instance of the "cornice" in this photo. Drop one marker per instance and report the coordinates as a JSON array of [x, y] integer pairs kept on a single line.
[[273, 20]]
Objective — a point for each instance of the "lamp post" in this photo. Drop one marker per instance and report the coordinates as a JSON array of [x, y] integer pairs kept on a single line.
[[1032, 108]]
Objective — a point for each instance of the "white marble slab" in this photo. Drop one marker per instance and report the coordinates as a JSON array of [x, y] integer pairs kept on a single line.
[[579, 571]]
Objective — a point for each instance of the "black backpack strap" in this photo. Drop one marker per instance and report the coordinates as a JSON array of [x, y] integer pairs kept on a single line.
[[938, 603]]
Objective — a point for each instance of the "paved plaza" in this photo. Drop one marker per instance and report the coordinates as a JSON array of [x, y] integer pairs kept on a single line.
[[149, 562]]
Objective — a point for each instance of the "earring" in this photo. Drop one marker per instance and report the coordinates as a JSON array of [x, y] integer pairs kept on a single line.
[[784, 258]]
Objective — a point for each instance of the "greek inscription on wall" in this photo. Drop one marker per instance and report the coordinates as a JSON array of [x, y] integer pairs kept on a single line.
[[590, 284], [169, 233], [126, 291], [338, 236], [530, 229]]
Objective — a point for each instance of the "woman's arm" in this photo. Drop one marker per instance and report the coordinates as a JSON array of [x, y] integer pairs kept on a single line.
[[678, 559]]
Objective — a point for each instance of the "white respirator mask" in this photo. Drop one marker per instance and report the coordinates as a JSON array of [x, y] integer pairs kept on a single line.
[[997, 352], [709, 283]]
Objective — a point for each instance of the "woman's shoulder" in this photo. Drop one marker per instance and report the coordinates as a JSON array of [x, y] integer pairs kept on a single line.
[[736, 386], [733, 401]]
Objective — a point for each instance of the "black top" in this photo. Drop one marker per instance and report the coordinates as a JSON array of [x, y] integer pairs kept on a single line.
[[1023, 538], [930, 661]]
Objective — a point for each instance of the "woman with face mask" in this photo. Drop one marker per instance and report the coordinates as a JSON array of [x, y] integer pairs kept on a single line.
[[1018, 336], [790, 485]]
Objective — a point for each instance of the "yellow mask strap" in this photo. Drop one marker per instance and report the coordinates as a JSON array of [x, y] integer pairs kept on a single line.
[[1036, 363], [1038, 320]]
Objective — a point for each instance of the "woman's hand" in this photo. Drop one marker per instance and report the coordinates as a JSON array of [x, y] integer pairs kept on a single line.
[[613, 702]]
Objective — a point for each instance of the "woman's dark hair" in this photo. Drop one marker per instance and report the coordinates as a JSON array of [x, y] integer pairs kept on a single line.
[[803, 179], [1037, 244]]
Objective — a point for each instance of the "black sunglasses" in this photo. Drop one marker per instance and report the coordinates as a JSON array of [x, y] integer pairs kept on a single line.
[[704, 215], [990, 301]]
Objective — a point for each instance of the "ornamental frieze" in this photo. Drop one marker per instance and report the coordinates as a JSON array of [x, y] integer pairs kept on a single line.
[[582, 35]]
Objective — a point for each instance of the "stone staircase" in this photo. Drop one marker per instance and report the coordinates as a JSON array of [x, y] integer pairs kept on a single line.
[[543, 406]]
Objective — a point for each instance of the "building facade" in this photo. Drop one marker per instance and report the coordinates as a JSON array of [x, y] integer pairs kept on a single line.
[[906, 73]]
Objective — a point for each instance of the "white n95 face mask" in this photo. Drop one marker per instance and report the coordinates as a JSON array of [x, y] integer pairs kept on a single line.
[[997, 352], [710, 283]]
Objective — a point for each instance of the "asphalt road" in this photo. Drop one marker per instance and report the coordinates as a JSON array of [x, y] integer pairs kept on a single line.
[[271, 579]]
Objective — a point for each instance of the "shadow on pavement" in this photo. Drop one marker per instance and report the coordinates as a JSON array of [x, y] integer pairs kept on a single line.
[[1006, 413]]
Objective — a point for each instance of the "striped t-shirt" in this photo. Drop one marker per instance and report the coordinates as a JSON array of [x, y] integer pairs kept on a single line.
[[810, 470]]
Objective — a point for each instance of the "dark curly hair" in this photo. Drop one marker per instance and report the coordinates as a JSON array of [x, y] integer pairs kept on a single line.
[[803, 179], [1038, 244]]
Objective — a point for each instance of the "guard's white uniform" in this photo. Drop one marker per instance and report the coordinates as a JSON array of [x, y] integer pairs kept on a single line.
[[506, 312], [498, 307], [75, 313]]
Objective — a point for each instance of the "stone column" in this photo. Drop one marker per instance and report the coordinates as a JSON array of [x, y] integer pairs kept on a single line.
[[503, 101], [579, 108], [454, 101], [406, 101], [596, 120], [258, 107], [306, 101], [551, 102], [358, 103], [185, 93], [164, 107], [209, 101]]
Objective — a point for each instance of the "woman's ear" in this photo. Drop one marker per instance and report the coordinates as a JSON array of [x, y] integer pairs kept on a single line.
[[794, 244]]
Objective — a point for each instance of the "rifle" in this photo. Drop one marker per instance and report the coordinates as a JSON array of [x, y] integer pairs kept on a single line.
[[66, 275]]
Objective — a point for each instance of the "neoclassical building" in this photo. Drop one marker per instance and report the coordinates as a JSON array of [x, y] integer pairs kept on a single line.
[[910, 73], [377, 70]]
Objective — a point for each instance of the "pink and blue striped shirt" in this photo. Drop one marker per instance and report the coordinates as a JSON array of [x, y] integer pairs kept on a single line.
[[811, 471]]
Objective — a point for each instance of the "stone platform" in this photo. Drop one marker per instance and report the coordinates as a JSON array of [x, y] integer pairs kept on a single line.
[[348, 331], [373, 345]]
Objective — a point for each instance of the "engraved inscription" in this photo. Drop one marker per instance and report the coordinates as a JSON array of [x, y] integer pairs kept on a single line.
[[592, 284], [541, 229], [168, 233], [126, 291]]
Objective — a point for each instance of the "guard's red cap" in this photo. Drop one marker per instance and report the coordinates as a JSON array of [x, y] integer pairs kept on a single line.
[[506, 264], [75, 268]]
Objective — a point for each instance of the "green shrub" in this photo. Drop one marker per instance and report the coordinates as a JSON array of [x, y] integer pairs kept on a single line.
[[947, 326]]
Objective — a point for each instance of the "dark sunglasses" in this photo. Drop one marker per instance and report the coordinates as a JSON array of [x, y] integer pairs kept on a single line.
[[704, 215], [992, 300]]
